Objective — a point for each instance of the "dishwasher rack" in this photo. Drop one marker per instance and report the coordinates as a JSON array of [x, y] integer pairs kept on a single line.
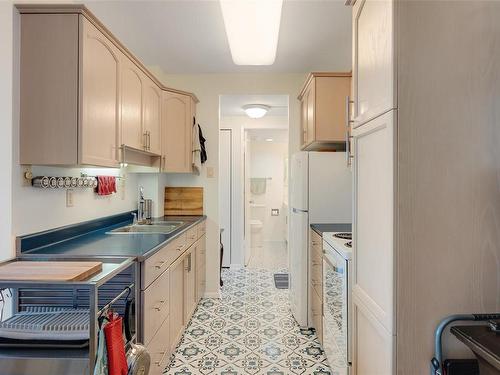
[[86, 299]]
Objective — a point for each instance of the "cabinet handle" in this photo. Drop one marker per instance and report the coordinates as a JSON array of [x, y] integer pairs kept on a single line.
[[160, 264], [314, 243], [149, 140], [314, 263], [158, 363], [348, 136], [180, 248], [159, 306], [145, 140], [164, 164]]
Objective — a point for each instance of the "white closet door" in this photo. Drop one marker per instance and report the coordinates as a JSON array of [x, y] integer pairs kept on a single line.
[[225, 195]]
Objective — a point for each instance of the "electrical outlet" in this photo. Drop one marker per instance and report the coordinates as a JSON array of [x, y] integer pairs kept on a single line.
[[210, 172], [275, 212], [69, 198]]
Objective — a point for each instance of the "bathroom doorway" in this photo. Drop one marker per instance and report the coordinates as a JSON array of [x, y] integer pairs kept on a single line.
[[257, 187], [266, 198]]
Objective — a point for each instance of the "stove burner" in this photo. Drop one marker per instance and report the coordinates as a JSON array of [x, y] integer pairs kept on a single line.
[[348, 244], [343, 236]]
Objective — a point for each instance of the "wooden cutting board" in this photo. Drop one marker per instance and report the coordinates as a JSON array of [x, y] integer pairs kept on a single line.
[[182, 201], [49, 271]]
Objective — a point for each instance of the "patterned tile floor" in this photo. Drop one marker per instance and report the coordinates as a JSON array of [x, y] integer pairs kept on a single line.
[[250, 330]]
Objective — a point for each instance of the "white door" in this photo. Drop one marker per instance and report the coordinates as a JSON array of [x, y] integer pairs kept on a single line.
[[225, 192], [373, 61], [299, 181], [298, 264]]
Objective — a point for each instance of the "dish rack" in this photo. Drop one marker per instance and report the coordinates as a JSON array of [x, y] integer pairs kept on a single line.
[[55, 324]]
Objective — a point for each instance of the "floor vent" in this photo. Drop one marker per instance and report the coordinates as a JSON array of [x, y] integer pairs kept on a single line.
[[281, 280]]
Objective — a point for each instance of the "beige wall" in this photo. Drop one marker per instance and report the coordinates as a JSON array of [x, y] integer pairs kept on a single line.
[[208, 88]]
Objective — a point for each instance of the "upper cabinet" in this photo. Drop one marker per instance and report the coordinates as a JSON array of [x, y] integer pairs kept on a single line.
[[99, 89], [152, 115], [132, 87], [373, 60], [83, 96], [178, 116], [323, 111]]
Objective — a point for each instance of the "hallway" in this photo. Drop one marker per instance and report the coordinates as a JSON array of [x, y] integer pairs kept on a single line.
[[248, 331]]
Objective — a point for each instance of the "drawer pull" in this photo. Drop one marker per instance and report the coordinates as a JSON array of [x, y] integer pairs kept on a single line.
[[192, 237], [163, 354], [180, 248], [316, 263], [159, 306], [160, 264]]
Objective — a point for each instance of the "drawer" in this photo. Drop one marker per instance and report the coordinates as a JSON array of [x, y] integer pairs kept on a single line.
[[156, 305], [191, 236], [202, 228], [317, 273], [317, 314], [159, 349], [156, 264]]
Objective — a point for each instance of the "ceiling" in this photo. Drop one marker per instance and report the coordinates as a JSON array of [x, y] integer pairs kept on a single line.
[[262, 135], [186, 36], [231, 105]]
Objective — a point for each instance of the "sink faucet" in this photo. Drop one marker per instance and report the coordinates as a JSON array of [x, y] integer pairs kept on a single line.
[[140, 207], [134, 221]]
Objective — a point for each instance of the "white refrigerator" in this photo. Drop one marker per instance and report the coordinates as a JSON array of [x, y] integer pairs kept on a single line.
[[320, 193]]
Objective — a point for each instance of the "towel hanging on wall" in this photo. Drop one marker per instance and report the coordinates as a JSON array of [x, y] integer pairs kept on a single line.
[[203, 154], [196, 148]]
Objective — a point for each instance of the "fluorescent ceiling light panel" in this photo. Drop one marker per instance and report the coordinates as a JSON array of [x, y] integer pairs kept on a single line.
[[252, 29]]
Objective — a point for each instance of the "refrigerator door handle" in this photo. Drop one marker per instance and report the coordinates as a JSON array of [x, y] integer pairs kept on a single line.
[[298, 211]]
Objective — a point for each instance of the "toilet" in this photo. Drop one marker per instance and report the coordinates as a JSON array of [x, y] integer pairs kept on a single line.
[[256, 232]]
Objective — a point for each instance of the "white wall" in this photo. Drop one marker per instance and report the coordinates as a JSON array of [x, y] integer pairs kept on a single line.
[[267, 160], [208, 88]]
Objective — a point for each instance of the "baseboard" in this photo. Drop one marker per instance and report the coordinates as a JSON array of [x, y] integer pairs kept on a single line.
[[212, 295]]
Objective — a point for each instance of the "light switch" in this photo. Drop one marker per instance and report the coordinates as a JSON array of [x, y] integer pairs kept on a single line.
[[210, 172], [275, 212]]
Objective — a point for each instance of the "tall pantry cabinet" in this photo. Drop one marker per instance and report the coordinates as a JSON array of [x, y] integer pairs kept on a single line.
[[426, 203]]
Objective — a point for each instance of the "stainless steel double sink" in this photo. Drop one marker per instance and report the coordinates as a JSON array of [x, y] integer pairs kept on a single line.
[[157, 227]]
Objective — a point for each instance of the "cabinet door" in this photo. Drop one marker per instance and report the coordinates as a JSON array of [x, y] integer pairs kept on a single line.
[[177, 130], [373, 345], [152, 115], [373, 60], [98, 131], [132, 82], [176, 301], [373, 262], [311, 101], [201, 279], [303, 120], [189, 284]]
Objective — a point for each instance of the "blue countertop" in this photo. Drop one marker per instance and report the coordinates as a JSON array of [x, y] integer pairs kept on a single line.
[[322, 228], [97, 243]]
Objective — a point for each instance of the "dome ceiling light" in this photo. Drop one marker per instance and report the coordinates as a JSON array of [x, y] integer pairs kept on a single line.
[[256, 110]]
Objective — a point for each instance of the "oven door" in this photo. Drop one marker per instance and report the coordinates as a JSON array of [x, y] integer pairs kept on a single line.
[[335, 308]]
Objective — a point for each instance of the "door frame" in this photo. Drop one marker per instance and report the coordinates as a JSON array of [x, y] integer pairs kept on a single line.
[[231, 187]]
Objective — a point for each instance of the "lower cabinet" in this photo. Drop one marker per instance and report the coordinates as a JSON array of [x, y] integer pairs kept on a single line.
[[159, 349], [176, 301], [172, 282], [316, 283], [317, 313], [373, 344]]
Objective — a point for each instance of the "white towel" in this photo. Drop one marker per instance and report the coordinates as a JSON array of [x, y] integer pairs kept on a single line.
[[196, 150]]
